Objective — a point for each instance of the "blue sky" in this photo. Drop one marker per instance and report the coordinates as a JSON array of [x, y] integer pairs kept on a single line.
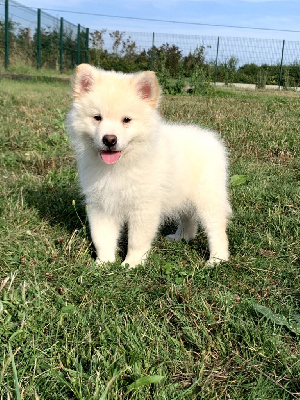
[[271, 14]]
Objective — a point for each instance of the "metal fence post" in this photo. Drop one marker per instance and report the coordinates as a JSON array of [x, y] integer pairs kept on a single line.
[[87, 41], [6, 38], [216, 62], [78, 45], [38, 39], [61, 44], [152, 53], [281, 63]]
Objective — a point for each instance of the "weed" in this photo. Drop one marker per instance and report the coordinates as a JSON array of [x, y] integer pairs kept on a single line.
[[261, 79], [200, 82]]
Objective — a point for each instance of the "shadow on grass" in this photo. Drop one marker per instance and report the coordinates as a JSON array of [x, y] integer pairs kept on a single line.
[[59, 204], [62, 204]]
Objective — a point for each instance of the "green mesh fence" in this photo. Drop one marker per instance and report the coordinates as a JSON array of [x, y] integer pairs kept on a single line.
[[41, 40], [224, 59]]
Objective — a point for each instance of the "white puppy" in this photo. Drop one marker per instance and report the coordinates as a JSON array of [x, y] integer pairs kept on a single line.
[[135, 168]]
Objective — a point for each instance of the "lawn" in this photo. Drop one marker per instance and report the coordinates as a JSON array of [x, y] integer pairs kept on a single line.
[[174, 328]]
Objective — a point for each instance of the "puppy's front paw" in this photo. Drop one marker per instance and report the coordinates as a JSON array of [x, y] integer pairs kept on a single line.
[[132, 262], [101, 261], [128, 264], [217, 260]]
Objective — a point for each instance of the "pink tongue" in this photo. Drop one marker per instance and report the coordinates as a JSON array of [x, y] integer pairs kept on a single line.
[[110, 157]]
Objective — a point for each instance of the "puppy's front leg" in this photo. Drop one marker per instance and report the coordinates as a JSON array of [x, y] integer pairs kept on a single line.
[[142, 228], [105, 232]]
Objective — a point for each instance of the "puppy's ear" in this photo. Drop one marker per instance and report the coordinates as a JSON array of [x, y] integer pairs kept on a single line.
[[147, 87], [84, 79]]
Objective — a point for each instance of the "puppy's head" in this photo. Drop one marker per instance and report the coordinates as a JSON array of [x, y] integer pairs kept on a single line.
[[117, 111]]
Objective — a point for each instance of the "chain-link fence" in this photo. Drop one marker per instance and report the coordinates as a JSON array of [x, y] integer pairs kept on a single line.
[[223, 59], [41, 40]]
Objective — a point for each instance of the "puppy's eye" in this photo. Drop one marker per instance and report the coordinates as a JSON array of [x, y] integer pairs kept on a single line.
[[98, 118], [126, 120]]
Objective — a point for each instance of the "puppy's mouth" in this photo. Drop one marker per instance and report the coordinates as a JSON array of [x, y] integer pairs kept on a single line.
[[109, 156]]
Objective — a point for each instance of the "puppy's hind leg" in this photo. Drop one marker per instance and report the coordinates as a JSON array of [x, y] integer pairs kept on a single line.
[[186, 230]]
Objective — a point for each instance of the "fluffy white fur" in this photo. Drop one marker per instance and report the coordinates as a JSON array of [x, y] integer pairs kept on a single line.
[[164, 169]]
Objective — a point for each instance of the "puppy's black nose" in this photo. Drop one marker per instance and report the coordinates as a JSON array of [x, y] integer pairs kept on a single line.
[[110, 140]]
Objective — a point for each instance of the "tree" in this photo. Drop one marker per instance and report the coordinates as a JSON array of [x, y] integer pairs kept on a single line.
[[227, 70], [171, 56], [194, 59], [98, 39]]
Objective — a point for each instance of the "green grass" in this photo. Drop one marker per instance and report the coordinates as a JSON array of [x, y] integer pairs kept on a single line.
[[23, 68], [174, 328]]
